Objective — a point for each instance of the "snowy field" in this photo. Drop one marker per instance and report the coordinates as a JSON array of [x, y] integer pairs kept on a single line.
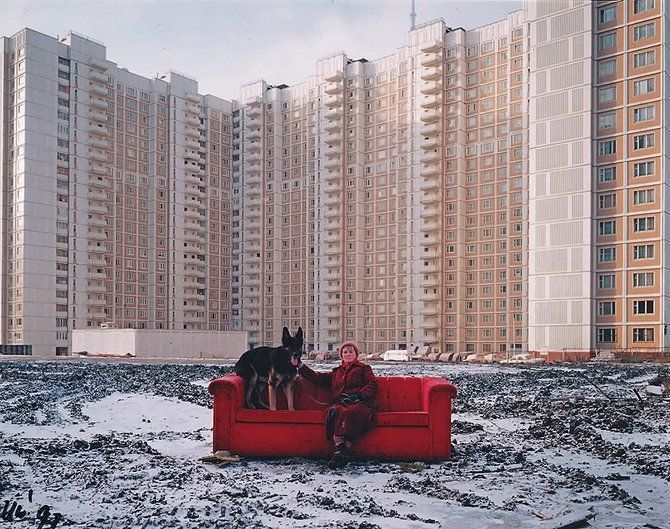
[[118, 445]]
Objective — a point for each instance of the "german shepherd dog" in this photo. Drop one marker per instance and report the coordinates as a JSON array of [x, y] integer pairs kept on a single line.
[[275, 365]]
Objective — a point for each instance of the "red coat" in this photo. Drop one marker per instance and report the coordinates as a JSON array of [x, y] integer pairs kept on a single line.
[[355, 377]]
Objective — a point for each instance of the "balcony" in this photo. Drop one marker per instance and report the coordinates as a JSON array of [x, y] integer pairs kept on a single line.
[[193, 202], [252, 236], [333, 88], [431, 74], [430, 174], [333, 113], [253, 159], [93, 249], [253, 147], [331, 237], [252, 178], [332, 163], [252, 281], [99, 143], [96, 312], [429, 212], [99, 156], [98, 169], [430, 157], [333, 151], [253, 135], [253, 112], [332, 139], [331, 200], [191, 132], [94, 274], [334, 77], [430, 310], [96, 261], [430, 143], [193, 98], [251, 225], [96, 288], [429, 116], [431, 101], [429, 198], [429, 225], [252, 213], [252, 191], [252, 203], [97, 64], [192, 108], [431, 240], [101, 210], [251, 124], [331, 275], [98, 235], [332, 225], [432, 47], [333, 187], [431, 59], [431, 87], [192, 179], [332, 264], [332, 126], [100, 90], [332, 250], [98, 182], [192, 144], [99, 130], [99, 77], [333, 101], [255, 102], [430, 254], [432, 129], [190, 120], [97, 222], [332, 175], [194, 156], [430, 281], [100, 196], [98, 103], [330, 213]]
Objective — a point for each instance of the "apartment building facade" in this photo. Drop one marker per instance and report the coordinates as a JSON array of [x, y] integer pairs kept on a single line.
[[116, 193], [491, 190]]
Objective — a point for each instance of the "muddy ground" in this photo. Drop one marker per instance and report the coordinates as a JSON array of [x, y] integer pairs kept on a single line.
[[118, 445]]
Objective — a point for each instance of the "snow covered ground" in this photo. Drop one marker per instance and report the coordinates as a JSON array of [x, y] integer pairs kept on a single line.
[[117, 445]]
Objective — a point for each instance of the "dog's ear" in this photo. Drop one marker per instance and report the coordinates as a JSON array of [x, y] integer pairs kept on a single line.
[[299, 334], [286, 336]]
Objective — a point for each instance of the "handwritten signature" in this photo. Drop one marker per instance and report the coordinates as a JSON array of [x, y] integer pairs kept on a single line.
[[14, 511]]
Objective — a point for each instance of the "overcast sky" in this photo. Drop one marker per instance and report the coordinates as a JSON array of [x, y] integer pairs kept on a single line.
[[226, 43]]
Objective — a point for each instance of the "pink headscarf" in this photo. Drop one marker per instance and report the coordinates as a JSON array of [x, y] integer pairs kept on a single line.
[[352, 344]]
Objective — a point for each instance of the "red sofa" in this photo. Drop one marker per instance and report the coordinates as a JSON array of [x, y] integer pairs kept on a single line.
[[413, 423]]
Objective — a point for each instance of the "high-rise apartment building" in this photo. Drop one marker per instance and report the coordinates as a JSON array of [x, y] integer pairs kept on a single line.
[[490, 190], [116, 194]]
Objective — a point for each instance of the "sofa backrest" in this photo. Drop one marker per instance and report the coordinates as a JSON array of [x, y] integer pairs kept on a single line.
[[394, 394]]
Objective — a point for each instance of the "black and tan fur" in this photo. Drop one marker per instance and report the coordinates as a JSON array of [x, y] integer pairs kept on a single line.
[[271, 365]]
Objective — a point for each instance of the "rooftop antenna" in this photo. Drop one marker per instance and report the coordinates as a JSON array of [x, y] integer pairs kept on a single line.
[[412, 16]]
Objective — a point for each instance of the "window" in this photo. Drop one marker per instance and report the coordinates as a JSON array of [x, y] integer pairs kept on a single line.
[[643, 334], [644, 306], [607, 227], [644, 141], [644, 31], [643, 224], [606, 121], [607, 41], [606, 281], [607, 14], [606, 308], [643, 114], [640, 6], [607, 174], [645, 86], [607, 147], [644, 58], [607, 335], [643, 196], [607, 255], [606, 68], [607, 94], [643, 279], [643, 251], [607, 201], [644, 169]]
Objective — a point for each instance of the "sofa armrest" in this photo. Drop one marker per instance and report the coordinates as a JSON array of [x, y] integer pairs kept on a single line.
[[435, 390], [228, 393], [232, 386], [436, 395]]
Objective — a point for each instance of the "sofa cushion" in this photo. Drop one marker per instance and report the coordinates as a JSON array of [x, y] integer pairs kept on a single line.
[[399, 394], [402, 418], [281, 416]]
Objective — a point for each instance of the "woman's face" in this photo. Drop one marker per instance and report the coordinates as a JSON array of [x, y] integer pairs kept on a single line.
[[348, 354]]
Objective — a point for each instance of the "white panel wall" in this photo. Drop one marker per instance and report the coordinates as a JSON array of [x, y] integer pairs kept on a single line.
[[559, 175]]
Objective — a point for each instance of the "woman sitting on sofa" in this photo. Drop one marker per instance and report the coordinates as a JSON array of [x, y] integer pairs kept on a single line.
[[353, 399]]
